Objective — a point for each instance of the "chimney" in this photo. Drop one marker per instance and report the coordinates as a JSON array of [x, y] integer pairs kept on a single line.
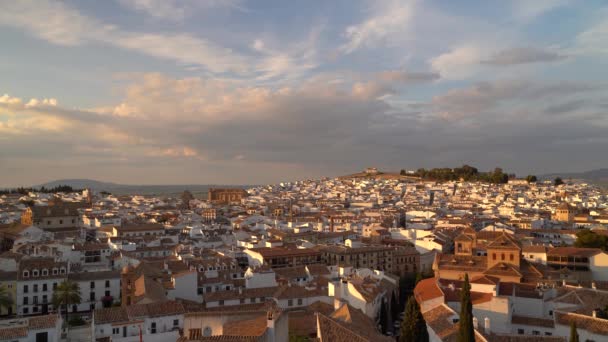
[[240, 290], [487, 325], [337, 304], [594, 313], [593, 286], [475, 323], [270, 325]]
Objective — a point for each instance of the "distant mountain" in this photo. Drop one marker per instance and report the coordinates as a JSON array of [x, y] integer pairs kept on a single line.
[[81, 184], [199, 190], [599, 175]]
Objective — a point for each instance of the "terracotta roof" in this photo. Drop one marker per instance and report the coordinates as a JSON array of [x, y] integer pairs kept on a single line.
[[250, 327], [11, 333], [591, 324], [533, 321], [43, 322], [574, 251], [427, 289]]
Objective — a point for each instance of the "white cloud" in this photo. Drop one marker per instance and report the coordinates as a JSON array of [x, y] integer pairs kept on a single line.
[[176, 9], [460, 62], [594, 40], [59, 24], [529, 9], [387, 19]]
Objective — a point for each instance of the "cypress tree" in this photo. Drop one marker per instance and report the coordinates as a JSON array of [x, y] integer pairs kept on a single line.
[[466, 332], [394, 307], [383, 317], [573, 332], [413, 327]]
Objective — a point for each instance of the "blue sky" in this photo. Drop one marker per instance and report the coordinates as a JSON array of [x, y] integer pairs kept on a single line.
[[188, 91]]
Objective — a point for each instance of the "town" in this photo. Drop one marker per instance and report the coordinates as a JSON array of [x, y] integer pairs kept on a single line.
[[353, 258]]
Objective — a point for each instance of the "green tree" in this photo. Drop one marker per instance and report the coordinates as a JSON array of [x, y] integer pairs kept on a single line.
[[466, 332], [531, 179], [558, 181], [589, 239], [418, 278], [66, 293], [394, 307], [413, 327], [383, 317], [6, 300], [573, 332]]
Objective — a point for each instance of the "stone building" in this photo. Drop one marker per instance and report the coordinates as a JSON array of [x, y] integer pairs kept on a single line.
[[226, 196], [58, 214], [564, 213]]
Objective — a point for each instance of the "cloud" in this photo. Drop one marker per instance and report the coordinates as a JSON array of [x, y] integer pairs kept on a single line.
[[176, 10], [594, 40], [316, 128], [525, 9], [488, 97], [458, 63], [59, 24], [387, 19], [523, 55]]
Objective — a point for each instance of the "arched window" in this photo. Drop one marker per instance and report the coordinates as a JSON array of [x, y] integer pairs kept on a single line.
[[207, 331], [26, 274], [35, 273], [45, 272]]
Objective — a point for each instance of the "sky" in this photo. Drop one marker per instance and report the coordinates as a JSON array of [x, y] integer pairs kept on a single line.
[[255, 92]]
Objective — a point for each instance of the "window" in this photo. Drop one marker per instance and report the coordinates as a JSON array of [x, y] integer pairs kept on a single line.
[[493, 256], [520, 331], [25, 289], [35, 287], [62, 271], [48, 222], [548, 333], [107, 283], [55, 271], [535, 332], [153, 328], [207, 331], [502, 256], [25, 300], [511, 257], [44, 287], [45, 272], [299, 301], [290, 302], [221, 302], [115, 331], [34, 309], [26, 311], [26, 274], [92, 296], [45, 299], [60, 221], [550, 312], [175, 322], [54, 286], [107, 294], [92, 284], [35, 300], [252, 300]]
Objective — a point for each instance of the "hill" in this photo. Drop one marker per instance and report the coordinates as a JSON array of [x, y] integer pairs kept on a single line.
[[598, 176]]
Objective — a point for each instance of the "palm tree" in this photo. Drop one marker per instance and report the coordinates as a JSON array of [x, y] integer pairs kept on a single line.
[[6, 300], [66, 293]]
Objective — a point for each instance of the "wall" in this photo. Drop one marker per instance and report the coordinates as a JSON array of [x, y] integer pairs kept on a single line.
[[599, 266]]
